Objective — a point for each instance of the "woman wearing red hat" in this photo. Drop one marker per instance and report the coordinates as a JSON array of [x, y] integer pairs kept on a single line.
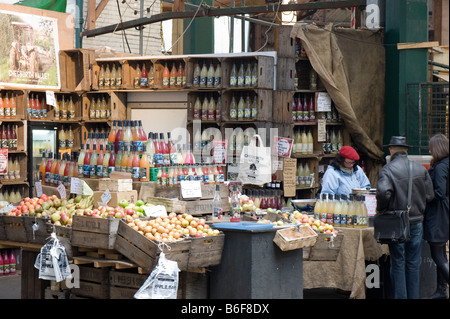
[[343, 174]]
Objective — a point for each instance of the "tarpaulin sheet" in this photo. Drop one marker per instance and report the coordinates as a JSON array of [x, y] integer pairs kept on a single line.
[[351, 66]]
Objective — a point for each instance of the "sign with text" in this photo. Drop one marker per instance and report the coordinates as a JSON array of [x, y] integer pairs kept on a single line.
[[219, 151], [191, 189], [282, 146], [323, 102], [289, 170], [76, 187]]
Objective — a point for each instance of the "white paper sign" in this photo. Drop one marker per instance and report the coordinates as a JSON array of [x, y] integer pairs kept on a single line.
[[38, 186], [62, 190], [191, 189], [106, 196], [323, 102], [321, 130], [371, 204], [155, 211], [75, 186], [50, 98]]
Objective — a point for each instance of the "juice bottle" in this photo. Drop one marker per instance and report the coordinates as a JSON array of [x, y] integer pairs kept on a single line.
[[70, 139], [196, 76], [7, 106], [203, 76], [80, 161], [112, 81], [53, 169], [68, 172], [93, 163], [136, 165], [117, 137], [118, 163], [211, 109], [5, 264], [173, 76], [143, 137], [97, 108], [294, 109], [137, 78], [241, 76], [310, 143], [112, 136], [99, 164], [210, 76], [2, 107], [87, 162], [119, 77], [164, 176], [12, 263], [71, 110], [42, 169], [101, 77], [151, 77], [144, 166], [47, 170], [180, 79], [105, 163], [205, 174], [311, 110], [240, 109], [233, 108], [248, 75], [144, 77], [124, 161], [197, 108], [13, 106], [61, 169], [111, 162], [107, 77], [351, 212], [4, 137], [172, 149], [63, 110], [164, 149], [204, 115], [218, 75], [127, 135], [135, 139], [103, 108], [221, 174], [166, 77]]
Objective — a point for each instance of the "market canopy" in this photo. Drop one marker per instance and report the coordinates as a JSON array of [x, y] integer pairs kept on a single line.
[[351, 66]]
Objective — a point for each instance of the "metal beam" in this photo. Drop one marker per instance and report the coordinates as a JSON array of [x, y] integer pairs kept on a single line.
[[216, 12]]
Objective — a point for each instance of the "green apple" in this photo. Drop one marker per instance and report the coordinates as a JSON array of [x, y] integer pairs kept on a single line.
[[140, 202], [123, 203]]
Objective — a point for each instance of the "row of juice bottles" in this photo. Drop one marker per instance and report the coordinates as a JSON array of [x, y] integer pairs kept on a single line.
[[341, 210], [8, 136], [110, 77], [55, 169], [8, 106], [7, 262], [303, 141], [207, 77], [173, 175], [126, 134], [208, 109], [66, 138], [10, 195], [99, 108], [244, 76], [303, 108], [312, 77], [174, 77], [65, 108], [304, 177], [13, 171], [204, 141], [334, 141], [245, 109], [265, 198]]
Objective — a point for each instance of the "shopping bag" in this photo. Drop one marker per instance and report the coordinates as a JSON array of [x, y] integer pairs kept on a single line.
[[162, 282], [255, 165]]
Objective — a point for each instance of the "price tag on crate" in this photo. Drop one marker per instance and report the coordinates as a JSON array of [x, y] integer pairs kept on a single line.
[[62, 190], [50, 98], [106, 197], [76, 186], [191, 189], [38, 186]]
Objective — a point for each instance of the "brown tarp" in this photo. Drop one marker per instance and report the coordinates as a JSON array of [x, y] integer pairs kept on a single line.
[[351, 66]]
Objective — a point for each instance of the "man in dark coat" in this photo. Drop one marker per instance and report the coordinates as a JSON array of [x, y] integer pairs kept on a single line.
[[392, 194]]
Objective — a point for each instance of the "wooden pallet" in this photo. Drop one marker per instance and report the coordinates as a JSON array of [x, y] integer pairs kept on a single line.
[[101, 258]]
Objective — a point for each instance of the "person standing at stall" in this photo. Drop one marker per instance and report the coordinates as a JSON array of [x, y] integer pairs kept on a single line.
[[392, 194], [436, 226], [344, 174]]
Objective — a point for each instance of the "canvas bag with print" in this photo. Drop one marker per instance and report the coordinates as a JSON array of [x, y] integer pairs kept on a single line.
[[255, 166]]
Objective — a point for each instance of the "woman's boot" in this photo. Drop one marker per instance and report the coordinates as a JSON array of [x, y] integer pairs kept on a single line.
[[441, 288]]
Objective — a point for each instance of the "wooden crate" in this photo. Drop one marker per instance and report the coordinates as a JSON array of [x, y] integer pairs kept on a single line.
[[193, 285], [200, 207], [76, 69], [94, 232], [14, 227], [158, 69], [145, 252], [265, 69], [77, 101], [116, 197], [116, 102], [129, 67], [205, 251], [190, 67], [324, 249], [286, 74], [295, 238], [2, 228], [192, 97], [123, 285], [152, 189], [20, 100], [284, 44], [264, 101], [42, 234], [96, 73], [282, 107]]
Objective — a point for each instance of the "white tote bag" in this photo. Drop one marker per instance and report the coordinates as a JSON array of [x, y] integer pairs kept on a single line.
[[255, 166]]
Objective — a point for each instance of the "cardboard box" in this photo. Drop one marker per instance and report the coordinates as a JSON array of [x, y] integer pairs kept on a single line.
[[116, 197], [115, 185]]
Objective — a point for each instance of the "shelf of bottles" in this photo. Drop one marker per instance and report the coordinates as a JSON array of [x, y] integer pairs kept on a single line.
[[67, 108], [204, 106], [16, 170], [104, 106], [10, 101], [109, 75], [13, 193]]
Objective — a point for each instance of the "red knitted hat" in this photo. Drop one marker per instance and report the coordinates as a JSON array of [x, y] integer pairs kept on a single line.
[[349, 152]]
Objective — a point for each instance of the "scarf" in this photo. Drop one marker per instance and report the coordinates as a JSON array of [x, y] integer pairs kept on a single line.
[[348, 171]]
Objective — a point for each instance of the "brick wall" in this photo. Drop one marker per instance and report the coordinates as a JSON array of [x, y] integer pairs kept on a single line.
[[110, 16]]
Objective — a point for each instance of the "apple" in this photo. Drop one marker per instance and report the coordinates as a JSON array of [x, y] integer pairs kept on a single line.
[[199, 234], [184, 223], [130, 211], [140, 202], [123, 203]]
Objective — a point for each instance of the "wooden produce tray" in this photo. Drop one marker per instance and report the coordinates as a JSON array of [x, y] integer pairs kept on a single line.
[[94, 232], [295, 237]]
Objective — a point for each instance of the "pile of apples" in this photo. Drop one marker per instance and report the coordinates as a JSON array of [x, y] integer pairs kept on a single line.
[[247, 204], [171, 228], [315, 224]]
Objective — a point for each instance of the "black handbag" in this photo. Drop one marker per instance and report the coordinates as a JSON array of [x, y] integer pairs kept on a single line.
[[392, 226]]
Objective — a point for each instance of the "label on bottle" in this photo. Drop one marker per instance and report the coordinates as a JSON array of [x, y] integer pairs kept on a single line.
[[144, 82], [70, 142], [254, 112], [217, 80], [135, 172], [235, 214], [62, 114], [181, 178], [172, 81], [206, 179], [143, 173], [80, 170], [137, 81], [247, 113], [99, 170], [71, 114], [312, 116], [111, 169], [196, 80], [210, 81], [204, 114], [92, 113], [233, 80], [103, 114], [159, 159], [217, 114], [248, 80], [343, 221], [47, 177], [101, 82], [217, 213], [65, 181], [107, 82], [62, 143], [240, 114], [55, 178], [203, 81], [211, 114], [180, 81], [163, 181], [118, 82], [165, 82], [240, 80], [44, 113], [98, 114], [13, 112], [7, 112]]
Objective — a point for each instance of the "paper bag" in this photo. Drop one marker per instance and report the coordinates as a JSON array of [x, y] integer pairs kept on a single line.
[[255, 166]]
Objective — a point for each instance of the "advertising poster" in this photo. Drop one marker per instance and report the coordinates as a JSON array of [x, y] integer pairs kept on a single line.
[[29, 51]]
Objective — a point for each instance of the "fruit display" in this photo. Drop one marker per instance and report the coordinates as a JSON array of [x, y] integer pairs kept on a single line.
[[60, 211], [315, 224], [171, 228]]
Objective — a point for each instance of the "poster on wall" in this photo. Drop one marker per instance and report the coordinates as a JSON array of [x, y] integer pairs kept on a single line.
[[29, 51]]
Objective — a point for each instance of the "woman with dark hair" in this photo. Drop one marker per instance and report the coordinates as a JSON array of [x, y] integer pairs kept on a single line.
[[436, 226], [343, 174]]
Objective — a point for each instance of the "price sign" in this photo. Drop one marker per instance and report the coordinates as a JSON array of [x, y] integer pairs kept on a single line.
[[62, 190], [38, 186], [191, 189], [3, 161], [323, 102], [282, 146], [155, 211], [371, 204], [321, 130], [219, 151], [76, 186], [50, 98], [106, 197]]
